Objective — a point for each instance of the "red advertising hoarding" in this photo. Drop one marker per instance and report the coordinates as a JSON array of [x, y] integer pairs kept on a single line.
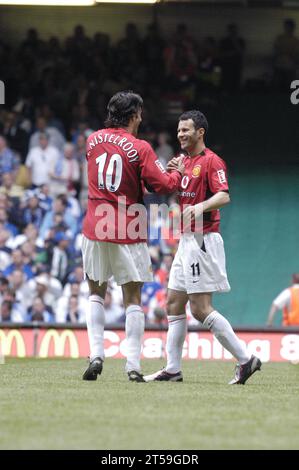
[[73, 343]]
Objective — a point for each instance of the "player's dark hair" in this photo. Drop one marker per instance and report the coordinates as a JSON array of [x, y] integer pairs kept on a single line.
[[197, 117], [122, 107]]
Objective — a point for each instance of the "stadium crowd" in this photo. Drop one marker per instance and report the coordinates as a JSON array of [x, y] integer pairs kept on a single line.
[[56, 97]]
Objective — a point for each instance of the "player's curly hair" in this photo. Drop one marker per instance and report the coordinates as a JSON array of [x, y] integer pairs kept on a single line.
[[122, 107], [197, 117]]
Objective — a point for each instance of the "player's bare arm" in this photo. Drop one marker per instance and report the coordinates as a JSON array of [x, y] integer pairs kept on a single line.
[[217, 201], [271, 314]]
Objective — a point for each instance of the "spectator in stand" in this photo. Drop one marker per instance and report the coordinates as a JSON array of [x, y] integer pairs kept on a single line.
[[41, 160], [77, 48], [58, 226], [75, 314], [80, 149], [32, 213], [45, 200], [4, 285], [78, 128], [47, 288], [8, 187], [6, 311], [6, 224], [32, 42], [45, 109], [9, 161], [29, 253], [129, 54], [152, 47], [164, 150], [40, 312], [286, 56], [288, 302], [64, 303], [19, 286], [16, 136], [11, 206], [60, 209], [81, 157], [4, 202], [180, 59], [232, 49], [73, 207], [13, 310], [77, 277], [60, 260], [18, 263], [56, 139], [101, 47], [209, 71], [5, 258], [113, 312], [30, 233], [66, 174]]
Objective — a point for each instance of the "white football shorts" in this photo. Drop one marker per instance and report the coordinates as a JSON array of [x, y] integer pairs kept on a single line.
[[199, 265], [126, 262]]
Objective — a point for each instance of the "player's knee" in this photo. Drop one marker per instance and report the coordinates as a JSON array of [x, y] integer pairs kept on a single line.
[[96, 289], [199, 310], [132, 293], [172, 307]]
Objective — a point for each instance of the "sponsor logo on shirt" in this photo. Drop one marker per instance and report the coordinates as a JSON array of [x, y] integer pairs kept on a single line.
[[187, 194], [196, 171], [221, 176], [185, 182], [160, 166]]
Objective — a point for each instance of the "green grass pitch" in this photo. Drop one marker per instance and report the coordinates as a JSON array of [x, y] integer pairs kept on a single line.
[[45, 405]]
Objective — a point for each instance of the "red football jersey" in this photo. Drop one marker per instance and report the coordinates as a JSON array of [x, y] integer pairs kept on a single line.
[[119, 165], [205, 175]]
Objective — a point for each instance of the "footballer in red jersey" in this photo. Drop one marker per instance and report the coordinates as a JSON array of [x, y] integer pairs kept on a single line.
[[205, 175], [119, 165], [198, 269]]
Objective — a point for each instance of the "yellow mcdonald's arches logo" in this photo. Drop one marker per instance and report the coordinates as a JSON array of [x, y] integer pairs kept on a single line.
[[6, 342], [59, 340]]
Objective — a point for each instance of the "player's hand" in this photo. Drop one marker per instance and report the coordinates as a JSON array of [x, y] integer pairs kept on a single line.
[[176, 163], [172, 164], [190, 214], [181, 167]]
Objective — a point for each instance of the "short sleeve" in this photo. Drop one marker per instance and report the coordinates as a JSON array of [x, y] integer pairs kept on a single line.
[[217, 175], [283, 299]]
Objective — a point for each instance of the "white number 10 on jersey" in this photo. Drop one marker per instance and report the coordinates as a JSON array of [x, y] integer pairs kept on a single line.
[[115, 166]]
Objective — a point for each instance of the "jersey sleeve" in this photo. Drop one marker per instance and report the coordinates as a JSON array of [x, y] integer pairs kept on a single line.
[[87, 147], [153, 174], [283, 299], [217, 175]]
